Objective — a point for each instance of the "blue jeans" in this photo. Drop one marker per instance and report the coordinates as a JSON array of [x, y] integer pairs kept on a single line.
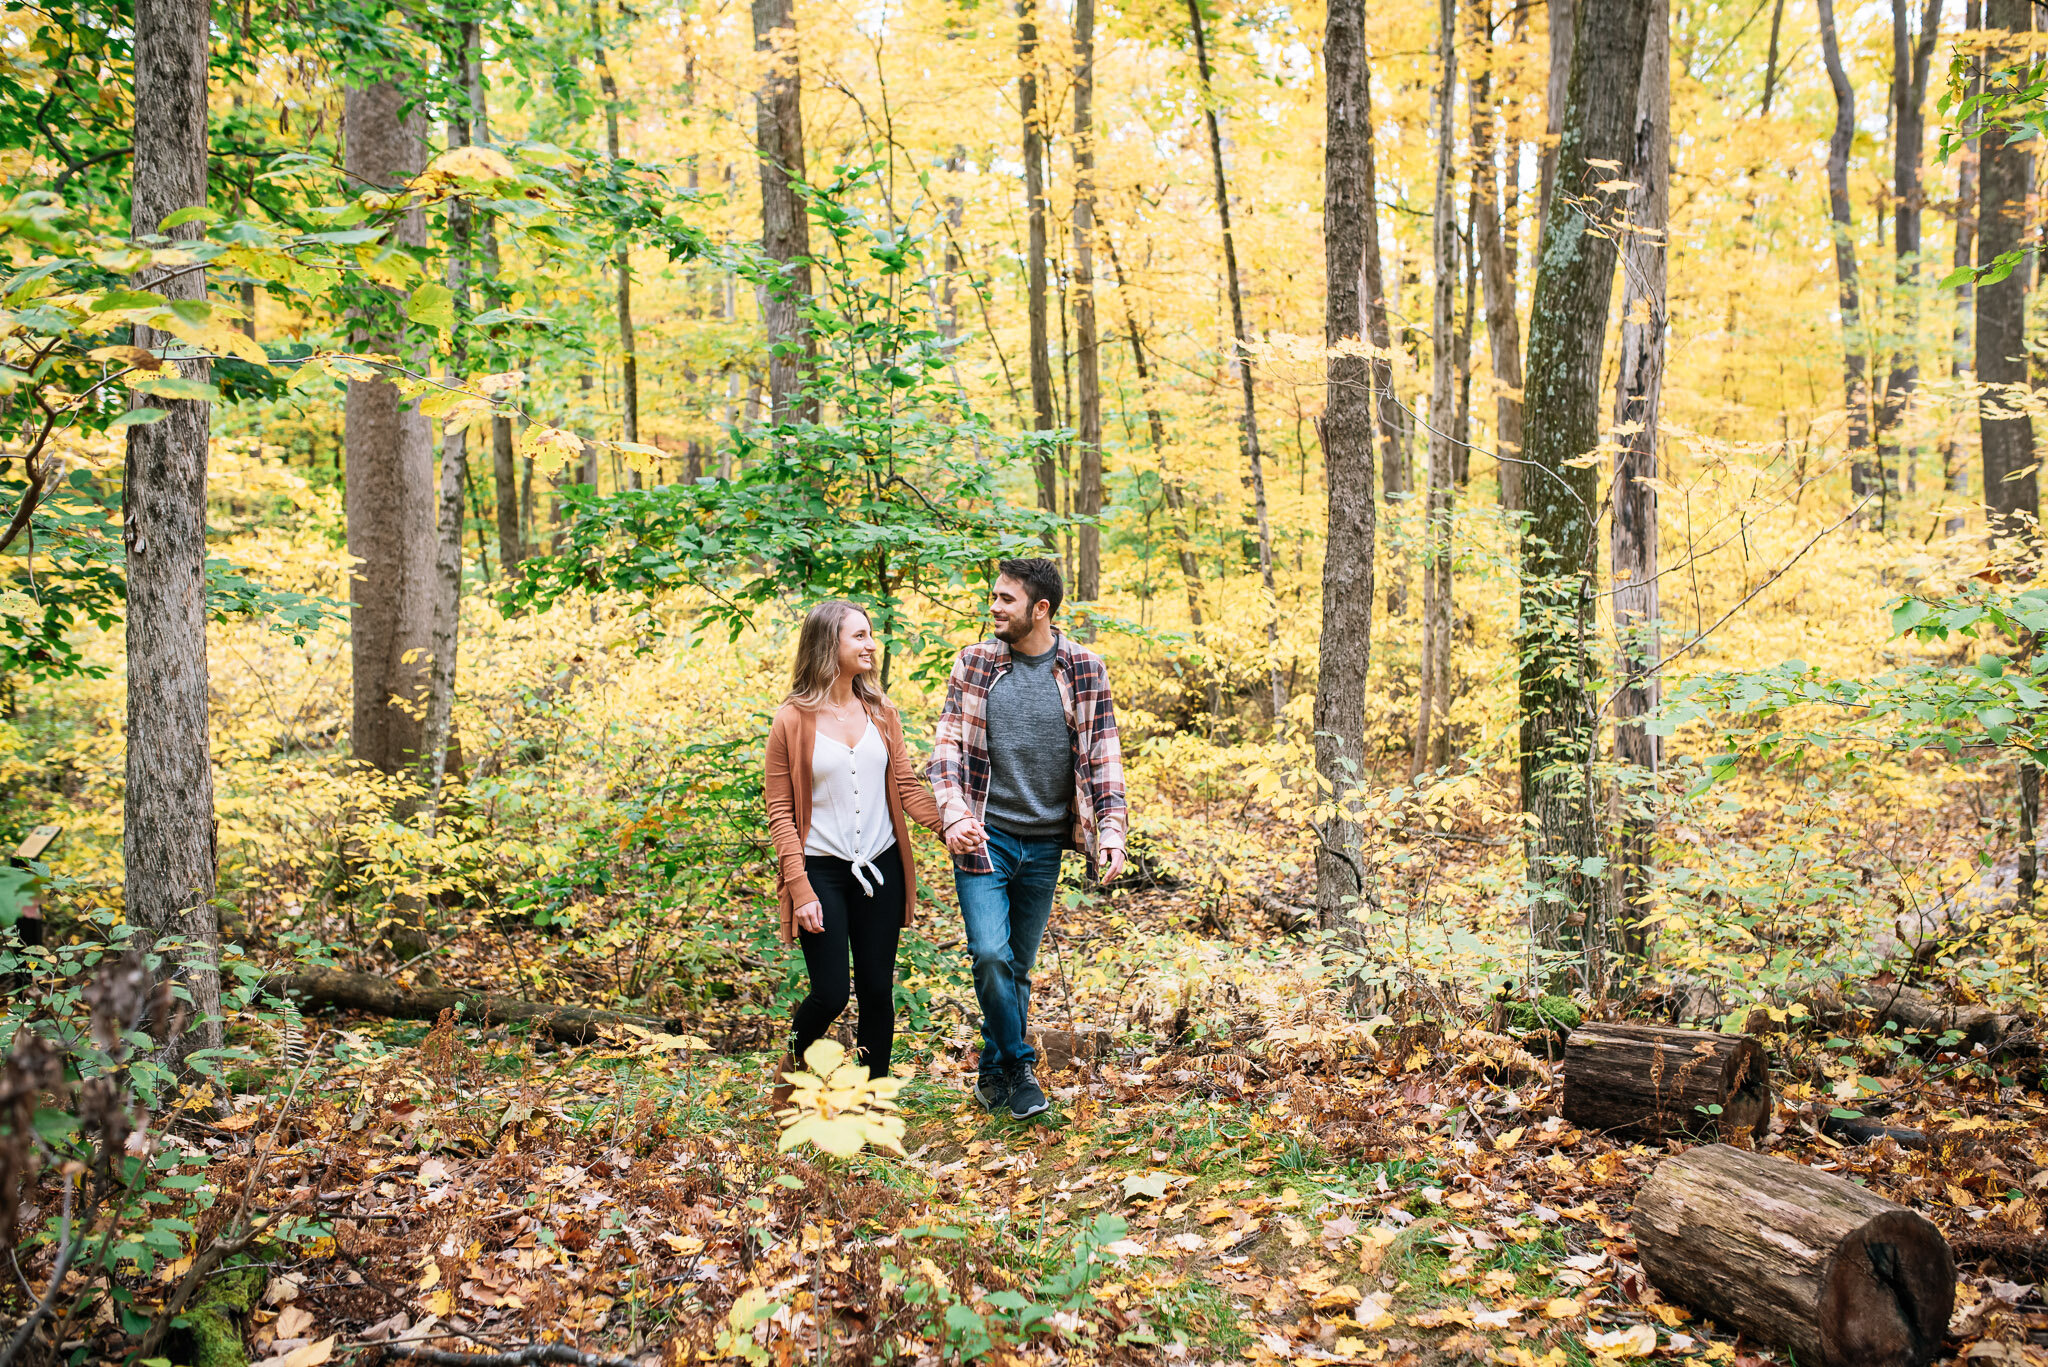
[[1006, 912]]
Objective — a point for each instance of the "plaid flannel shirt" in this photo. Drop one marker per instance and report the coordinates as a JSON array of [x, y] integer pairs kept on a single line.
[[959, 768]]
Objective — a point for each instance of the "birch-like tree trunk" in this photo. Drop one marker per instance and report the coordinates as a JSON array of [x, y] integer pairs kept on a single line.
[[785, 227], [1865, 480], [390, 475], [1241, 334], [1087, 360], [1433, 689], [1560, 558], [1955, 471], [1347, 429], [504, 461], [1043, 419], [1632, 532], [167, 820], [452, 504], [2012, 499]]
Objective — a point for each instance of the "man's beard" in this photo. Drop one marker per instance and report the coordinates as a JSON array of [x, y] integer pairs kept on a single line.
[[1011, 633]]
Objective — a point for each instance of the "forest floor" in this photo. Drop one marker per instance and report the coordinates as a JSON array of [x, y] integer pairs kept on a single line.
[[1306, 1188]]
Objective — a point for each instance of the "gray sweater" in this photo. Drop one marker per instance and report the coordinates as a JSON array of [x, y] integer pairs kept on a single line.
[[1030, 752]]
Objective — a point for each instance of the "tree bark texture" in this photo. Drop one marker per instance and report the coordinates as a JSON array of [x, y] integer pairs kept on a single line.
[[1865, 479], [390, 476], [1433, 688], [504, 466], [1043, 419], [1241, 335], [1771, 56], [2012, 499], [1372, 302], [1912, 54], [1796, 1259], [1632, 530], [1653, 1081], [785, 227], [1567, 334], [1087, 357], [1564, 15], [167, 830], [1345, 646], [1497, 277], [622, 263]]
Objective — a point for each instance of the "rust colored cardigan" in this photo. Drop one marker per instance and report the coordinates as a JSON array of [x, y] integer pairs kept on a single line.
[[791, 738]]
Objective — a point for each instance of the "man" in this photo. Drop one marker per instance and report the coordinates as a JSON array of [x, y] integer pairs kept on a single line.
[[1025, 765]]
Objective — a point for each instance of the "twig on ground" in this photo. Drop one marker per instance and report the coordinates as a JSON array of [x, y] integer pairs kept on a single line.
[[532, 1355]]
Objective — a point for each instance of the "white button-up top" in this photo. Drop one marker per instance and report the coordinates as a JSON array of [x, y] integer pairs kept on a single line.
[[850, 803]]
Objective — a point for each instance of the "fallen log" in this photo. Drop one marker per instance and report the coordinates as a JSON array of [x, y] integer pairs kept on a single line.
[[1796, 1258], [1653, 1080], [382, 997], [1914, 1010]]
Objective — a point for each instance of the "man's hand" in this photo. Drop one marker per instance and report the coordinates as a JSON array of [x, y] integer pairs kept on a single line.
[[810, 916], [965, 836], [1112, 861]]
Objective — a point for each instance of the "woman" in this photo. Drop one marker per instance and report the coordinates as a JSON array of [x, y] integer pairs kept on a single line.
[[840, 785]]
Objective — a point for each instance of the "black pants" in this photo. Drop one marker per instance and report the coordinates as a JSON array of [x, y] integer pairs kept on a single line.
[[865, 929]]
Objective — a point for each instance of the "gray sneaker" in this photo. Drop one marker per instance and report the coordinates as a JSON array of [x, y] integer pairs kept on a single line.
[[1026, 1100], [992, 1089]]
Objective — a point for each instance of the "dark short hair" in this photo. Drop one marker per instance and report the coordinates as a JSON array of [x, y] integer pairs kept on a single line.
[[1040, 576]]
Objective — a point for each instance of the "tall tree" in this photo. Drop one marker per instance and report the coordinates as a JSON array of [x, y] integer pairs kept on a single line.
[[2005, 175], [1771, 57], [452, 503], [1865, 480], [390, 475], [785, 226], [1911, 57], [1955, 475], [167, 824], [1567, 336], [1241, 335], [1349, 417], [1497, 274], [504, 463], [622, 262], [1564, 15], [1638, 387], [1043, 418], [1433, 689], [1087, 362]]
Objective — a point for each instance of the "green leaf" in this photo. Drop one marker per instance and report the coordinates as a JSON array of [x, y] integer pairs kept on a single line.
[[1908, 614], [137, 417], [126, 299], [195, 214], [168, 386], [432, 305]]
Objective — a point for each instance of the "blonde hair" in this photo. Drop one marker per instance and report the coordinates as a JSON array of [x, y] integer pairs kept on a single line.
[[817, 658]]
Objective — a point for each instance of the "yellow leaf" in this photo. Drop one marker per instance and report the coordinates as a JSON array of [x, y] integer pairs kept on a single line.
[[472, 163], [1563, 1308], [1508, 1139], [432, 1273]]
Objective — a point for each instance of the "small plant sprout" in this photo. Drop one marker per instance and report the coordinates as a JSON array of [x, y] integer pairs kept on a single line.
[[838, 1107]]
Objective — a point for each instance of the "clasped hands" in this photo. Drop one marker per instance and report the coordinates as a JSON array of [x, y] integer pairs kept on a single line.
[[966, 835]]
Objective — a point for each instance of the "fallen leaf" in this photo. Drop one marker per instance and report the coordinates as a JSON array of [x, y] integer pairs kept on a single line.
[[1563, 1308], [294, 1322]]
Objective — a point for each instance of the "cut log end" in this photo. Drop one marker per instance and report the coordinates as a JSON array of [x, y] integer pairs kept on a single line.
[[1887, 1294]]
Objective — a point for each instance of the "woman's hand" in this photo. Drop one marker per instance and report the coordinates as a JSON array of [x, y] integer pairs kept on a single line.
[[811, 917], [965, 837]]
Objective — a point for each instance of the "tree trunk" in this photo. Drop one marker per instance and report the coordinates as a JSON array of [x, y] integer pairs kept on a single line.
[[1632, 532], [1372, 300], [1432, 689], [1043, 418], [504, 467], [1651, 1081], [390, 476], [2030, 823], [1241, 334], [1346, 432], [622, 264], [1956, 474], [1567, 335], [1865, 481], [1796, 1259], [2012, 497], [379, 996], [1497, 276], [450, 514], [167, 828], [1771, 59], [1564, 16], [1088, 496], [1911, 57], [785, 228]]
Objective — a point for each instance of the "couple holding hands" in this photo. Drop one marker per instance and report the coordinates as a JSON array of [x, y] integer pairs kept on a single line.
[[1025, 764]]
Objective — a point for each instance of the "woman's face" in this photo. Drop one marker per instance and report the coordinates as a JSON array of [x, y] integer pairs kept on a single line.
[[856, 645]]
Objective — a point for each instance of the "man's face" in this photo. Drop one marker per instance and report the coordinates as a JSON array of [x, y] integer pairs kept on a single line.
[[1010, 610]]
